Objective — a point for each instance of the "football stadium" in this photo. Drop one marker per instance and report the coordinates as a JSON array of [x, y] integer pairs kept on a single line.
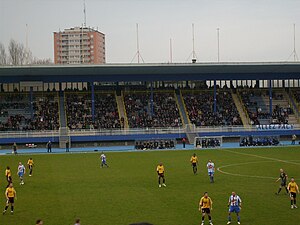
[[121, 144]]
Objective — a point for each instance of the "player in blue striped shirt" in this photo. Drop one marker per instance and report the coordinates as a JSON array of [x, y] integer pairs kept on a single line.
[[235, 205]]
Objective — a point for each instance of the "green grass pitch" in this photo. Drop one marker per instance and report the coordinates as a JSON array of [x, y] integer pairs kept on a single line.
[[69, 186]]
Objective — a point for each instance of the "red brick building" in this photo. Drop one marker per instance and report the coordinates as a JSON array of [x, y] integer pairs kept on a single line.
[[79, 45]]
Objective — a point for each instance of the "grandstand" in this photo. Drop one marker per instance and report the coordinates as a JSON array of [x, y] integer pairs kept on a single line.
[[109, 103]]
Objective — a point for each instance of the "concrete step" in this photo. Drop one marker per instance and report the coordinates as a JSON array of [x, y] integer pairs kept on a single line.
[[242, 112], [122, 110]]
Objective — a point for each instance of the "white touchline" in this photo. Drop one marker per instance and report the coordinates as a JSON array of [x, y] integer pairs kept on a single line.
[[263, 157], [245, 163]]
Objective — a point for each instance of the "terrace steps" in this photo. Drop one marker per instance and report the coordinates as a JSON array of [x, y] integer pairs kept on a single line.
[[242, 112], [185, 119], [182, 109], [122, 110], [62, 111]]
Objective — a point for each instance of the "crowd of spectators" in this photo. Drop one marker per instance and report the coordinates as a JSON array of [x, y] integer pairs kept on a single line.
[[279, 115], [155, 144], [46, 114], [15, 113], [200, 109], [141, 113], [106, 112], [259, 141], [253, 108], [79, 111]]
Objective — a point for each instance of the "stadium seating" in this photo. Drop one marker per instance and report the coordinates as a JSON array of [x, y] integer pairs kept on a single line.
[[15, 113], [165, 110], [79, 111], [257, 106], [200, 109]]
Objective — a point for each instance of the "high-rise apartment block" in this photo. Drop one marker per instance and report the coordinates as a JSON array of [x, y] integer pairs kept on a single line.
[[79, 45]]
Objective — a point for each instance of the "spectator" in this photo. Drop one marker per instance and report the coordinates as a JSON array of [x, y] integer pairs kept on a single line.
[[49, 146]]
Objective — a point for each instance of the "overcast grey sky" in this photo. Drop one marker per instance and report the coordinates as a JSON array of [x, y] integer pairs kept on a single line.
[[250, 30]]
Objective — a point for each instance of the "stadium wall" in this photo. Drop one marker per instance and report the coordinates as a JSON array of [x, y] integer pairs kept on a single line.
[[112, 138]]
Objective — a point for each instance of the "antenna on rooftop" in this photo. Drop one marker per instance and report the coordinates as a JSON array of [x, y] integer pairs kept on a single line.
[[171, 51], [218, 43], [84, 13], [294, 52], [193, 54], [26, 45], [137, 54]]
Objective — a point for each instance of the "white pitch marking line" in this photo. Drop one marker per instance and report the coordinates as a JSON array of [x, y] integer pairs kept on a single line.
[[244, 175], [263, 157]]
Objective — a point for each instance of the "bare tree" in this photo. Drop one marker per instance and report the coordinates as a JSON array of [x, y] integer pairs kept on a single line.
[[3, 57], [13, 52], [36, 61], [19, 55]]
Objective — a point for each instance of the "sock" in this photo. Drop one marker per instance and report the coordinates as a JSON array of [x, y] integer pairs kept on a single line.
[[202, 218], [159, 180], [12, 208], [238, 218], [6, 207], [279, 190], [287, 191], [292, 202], [209, 217], [164, 180], [229, 218]]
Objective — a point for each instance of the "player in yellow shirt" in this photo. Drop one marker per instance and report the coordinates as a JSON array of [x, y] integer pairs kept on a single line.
[[293, 189], [11, 195], [194, 162], [161, 175], [8, 175], [205, 206], [30, 164]]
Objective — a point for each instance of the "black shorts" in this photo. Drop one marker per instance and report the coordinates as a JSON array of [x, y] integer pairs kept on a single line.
[[11, 200], [161, 175], [293, 195], [30, 167], [206, 210], [194, 164], [283, 184]]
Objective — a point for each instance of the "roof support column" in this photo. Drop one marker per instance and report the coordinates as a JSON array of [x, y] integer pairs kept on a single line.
[[93, 101], [31, 102], [270, 97], [151, 100], [215, 96]]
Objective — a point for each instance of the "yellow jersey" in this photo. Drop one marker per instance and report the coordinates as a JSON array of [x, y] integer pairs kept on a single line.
[[205, 202], [10, 192], [194, 159], [30, 162], [7, 173], [293, 187], [160, 169]]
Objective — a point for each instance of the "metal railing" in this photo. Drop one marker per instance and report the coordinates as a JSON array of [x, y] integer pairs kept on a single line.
[[137, 131]]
